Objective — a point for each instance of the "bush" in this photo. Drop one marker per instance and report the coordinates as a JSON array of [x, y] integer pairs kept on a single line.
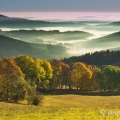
[[35, 100]]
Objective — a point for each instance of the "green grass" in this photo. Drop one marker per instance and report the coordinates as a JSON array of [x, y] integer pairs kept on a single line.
[[64, 107]]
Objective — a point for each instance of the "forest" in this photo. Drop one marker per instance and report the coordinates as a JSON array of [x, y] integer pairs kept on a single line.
[[23, 75], [97, 58]]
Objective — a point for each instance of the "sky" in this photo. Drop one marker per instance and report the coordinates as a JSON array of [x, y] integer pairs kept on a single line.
[[59, 5], [73, 9]]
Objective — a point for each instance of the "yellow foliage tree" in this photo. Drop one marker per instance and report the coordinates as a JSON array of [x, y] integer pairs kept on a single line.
[[81, 75]]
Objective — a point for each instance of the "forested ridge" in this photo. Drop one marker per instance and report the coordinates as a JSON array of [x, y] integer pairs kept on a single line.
[[97, 58]]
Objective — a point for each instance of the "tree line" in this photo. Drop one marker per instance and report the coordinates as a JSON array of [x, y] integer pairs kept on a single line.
[[97, 58], [20, 75]]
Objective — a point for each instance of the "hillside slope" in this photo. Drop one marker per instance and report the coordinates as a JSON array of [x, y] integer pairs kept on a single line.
[[106, 42], [12, 47]]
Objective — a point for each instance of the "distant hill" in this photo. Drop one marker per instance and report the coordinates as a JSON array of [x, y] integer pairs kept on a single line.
[[2, 16], [115, 23], [38, 36], [26, 23], [108, 24], [23, 23], [20, 22], [12, 47], [109, 41]]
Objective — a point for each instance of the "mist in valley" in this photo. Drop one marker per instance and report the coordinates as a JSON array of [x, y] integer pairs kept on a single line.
[[76, 37]]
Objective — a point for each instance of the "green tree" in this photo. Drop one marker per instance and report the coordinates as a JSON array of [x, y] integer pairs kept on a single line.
[[111, 77], [27, 65]]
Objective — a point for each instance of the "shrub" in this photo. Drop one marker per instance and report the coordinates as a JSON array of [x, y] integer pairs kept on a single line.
[[35, 100]]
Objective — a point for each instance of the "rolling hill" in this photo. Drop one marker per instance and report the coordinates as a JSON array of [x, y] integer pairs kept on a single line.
[[20, 22], [3, 17], [38, 36], [106, 42], [26, 23], [12, 47], [115, 23]]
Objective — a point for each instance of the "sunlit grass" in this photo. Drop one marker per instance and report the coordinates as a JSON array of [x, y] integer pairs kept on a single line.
[[64, 107]]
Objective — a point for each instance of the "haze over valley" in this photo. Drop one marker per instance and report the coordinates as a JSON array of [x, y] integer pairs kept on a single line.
[[70, 36]]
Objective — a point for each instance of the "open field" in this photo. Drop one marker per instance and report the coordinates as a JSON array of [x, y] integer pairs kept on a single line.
[[65, 107]]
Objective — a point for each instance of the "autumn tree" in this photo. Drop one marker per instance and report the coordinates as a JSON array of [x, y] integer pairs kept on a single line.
[[64, 77], [55, 67], [45, 74], [60, 74], [13, 87], [81, 75], [97, 79], [37, 72]]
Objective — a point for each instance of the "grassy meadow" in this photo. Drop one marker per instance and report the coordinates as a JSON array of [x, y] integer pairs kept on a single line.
[[65, 107]]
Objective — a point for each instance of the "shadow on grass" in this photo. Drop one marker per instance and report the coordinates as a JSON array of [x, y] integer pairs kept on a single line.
[[78, 92]]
